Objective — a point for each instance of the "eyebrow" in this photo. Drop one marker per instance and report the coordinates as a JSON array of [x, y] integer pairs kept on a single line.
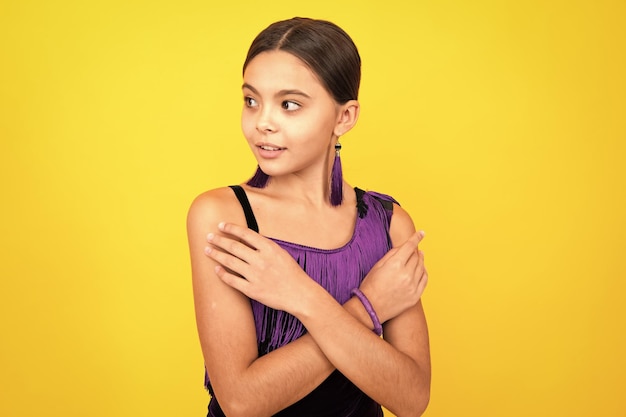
[[278, 94]]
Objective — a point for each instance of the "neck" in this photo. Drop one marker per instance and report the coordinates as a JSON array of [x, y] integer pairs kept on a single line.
[[312, 190], [310, 186]]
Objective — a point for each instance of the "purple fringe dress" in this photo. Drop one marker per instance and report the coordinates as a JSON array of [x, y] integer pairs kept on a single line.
[[338, 271]]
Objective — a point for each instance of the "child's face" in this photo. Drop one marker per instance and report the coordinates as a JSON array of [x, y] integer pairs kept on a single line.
[[288, 117]]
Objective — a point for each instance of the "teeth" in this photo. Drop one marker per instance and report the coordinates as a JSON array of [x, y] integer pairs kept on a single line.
[[269, 148]]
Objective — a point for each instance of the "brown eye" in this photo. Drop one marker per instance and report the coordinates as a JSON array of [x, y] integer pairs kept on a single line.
[[249, 102], [290, 105]]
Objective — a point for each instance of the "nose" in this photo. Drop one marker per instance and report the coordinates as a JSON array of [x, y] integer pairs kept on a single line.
[[265, 122]]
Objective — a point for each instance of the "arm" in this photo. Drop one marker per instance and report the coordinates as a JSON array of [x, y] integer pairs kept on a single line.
[[228, 336], [394, 371], [392, 374], [244, 383]]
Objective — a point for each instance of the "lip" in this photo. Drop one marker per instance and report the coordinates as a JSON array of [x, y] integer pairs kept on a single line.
[[269, 150]]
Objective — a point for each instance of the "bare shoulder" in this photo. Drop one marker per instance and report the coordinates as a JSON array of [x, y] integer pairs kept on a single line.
[[218, 199], [219, 204], [401, 227]]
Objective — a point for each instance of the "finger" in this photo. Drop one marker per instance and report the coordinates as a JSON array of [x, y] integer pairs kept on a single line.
[[238, 283], [226, 260], [421, 286], [422, 257], [422, 271], [407, 249], [416, 237], [234, 247], [419, 268], [386, 256], [413, 262], [246, 235]]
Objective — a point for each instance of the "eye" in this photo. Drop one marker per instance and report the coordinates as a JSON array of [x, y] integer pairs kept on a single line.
[[250, 102], [290, 105]]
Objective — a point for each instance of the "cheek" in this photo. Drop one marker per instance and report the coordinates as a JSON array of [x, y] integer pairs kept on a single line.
[[247, 125]]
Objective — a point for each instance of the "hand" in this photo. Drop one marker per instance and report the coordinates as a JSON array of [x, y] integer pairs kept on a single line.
[[397, 280], [257, 266]]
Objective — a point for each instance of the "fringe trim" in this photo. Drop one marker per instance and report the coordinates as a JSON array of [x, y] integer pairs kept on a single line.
[[338, 271]]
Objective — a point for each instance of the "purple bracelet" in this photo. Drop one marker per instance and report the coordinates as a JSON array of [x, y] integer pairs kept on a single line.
[[378, 328]]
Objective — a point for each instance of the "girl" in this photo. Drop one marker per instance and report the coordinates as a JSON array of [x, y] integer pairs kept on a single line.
[[302, 274]]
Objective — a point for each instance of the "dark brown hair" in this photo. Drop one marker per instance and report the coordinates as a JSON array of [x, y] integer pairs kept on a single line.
[[323, 46]]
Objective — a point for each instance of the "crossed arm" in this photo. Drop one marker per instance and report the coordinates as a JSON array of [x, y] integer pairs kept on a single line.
[[394, 371]]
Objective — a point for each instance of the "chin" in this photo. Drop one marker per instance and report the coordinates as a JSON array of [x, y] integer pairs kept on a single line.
[[270, 169]]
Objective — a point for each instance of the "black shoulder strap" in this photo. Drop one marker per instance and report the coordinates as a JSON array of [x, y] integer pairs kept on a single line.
[[359, 194], [388, 205], [245, 205]]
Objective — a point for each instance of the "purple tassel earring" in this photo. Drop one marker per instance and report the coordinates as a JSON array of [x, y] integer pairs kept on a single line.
[[336, 179], [259, 179]]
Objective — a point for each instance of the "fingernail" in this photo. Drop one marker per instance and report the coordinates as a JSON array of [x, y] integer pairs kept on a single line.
[[207, 250], [221, 225], [422, 233], [210, 236]]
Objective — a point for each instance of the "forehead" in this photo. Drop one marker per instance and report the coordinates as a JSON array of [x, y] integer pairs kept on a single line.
[[277, 70]]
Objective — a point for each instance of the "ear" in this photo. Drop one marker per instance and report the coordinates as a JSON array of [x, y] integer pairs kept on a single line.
[[347, 117]]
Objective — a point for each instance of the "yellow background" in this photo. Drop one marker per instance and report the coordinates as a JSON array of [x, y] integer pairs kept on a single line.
[[499, 125]]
